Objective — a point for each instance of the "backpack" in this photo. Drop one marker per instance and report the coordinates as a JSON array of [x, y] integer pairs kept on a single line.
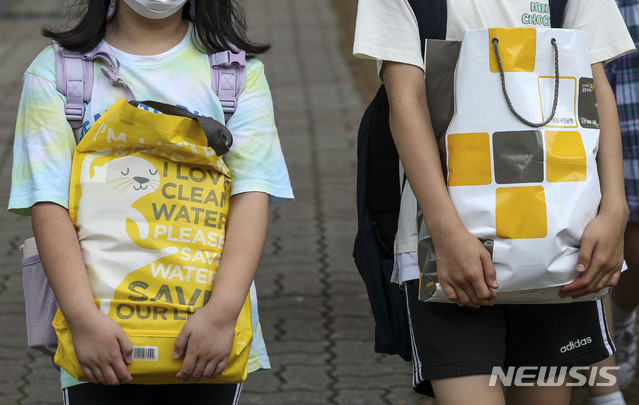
[[379, 190], [74, 78]]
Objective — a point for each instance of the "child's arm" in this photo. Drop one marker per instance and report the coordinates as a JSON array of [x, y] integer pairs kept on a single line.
[[207, 336], [464, 266], [102, 347], [601, 254]]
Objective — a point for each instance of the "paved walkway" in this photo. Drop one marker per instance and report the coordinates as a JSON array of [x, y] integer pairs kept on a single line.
[[314, 309]]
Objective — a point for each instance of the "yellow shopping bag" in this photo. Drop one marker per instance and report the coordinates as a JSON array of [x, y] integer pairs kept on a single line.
[[149, 199]]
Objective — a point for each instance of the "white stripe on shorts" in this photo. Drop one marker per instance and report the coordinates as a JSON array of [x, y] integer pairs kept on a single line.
[[417, 363], [238, 390], [604, 328]]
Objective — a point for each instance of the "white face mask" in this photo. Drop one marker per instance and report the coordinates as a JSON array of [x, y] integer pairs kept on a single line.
[[155, 9]]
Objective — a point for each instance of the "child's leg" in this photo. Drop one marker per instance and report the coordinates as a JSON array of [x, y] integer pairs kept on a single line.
[[535, 395], [472, 389]]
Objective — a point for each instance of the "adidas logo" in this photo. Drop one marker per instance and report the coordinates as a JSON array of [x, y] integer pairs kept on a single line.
[[576, 344]]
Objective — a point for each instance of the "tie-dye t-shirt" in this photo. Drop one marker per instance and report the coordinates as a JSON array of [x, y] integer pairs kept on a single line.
[[44, 142]]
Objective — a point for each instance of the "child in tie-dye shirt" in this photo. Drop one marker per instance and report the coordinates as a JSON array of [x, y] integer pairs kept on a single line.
[[164, 58]]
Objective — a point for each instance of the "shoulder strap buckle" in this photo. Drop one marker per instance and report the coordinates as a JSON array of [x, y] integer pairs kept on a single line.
[[227, 59], [228, 75]]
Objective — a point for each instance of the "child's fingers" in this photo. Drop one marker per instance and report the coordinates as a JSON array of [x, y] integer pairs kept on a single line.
[[209, 371], [99, 376], [577, 287], [110, 376], [455, 291], [89, 374], [602, 280], [603, 271], [198, 370], [613, 280], [585, 255], [108, 373], [485, 296], [213, 369], [120, 372], [591, 281], [477, 290], [481, 295], [180, 344], [490, 274], [205, 370], [188, 365], [462, 297], [126, 348], [126, 357], [220, 367], [472, 292], [451, 294], [483, 286], [466, 294]]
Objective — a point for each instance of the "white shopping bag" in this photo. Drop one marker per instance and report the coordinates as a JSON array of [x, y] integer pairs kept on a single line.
[[527, 191]]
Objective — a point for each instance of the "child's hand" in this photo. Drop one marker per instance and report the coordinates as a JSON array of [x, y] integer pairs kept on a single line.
[[601, 256], [465, 269], [207, 342], [103, 349]]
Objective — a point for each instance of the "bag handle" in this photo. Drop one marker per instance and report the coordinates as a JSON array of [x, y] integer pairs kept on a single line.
[[218, 136], [553, 41]]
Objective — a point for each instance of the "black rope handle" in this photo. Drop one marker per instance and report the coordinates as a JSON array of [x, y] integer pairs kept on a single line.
[[218, 136], [553, 41]]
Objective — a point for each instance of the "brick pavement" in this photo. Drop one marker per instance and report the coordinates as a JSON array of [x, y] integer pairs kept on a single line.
[[313, 306]]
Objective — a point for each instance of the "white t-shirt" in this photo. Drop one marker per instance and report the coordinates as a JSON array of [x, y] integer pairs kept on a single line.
[[388, 30]]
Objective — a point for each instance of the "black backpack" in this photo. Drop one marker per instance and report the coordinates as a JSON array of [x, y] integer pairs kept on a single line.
[[379, 191]]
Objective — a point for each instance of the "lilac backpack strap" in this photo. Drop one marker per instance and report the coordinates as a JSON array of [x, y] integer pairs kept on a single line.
[[74, 73], [75, 80], [228, 74]]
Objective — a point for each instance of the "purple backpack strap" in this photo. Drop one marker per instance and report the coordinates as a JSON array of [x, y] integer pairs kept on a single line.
[[75, 80], [228, 74]]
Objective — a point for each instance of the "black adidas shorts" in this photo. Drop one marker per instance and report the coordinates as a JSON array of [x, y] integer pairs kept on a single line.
[[452, 341], [138, 394]]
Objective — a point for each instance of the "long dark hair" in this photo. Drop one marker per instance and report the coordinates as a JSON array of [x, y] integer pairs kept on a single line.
[[219, 25]]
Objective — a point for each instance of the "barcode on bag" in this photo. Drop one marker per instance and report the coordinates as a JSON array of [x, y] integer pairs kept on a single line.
[[148, 353]]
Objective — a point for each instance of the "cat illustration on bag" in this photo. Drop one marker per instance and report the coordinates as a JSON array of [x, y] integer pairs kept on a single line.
[[109, 192]]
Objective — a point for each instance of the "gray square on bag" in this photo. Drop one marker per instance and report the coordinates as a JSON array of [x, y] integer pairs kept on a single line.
[[519, 157], [587, 108]]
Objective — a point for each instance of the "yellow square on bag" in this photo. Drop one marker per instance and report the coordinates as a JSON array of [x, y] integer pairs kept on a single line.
[[469, 162], [521, 212], [517, 49], [565, 156]]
